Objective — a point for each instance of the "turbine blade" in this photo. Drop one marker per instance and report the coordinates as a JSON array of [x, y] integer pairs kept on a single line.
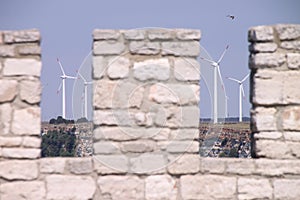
[[210, 61], [89, 83], [71, 77], [233, 79], [59, 88], [61, 67], [220, 75], [245, 78], [82, 77], [223, 54], [243, 92]]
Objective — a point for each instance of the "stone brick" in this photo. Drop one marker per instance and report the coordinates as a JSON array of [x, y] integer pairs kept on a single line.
[[160, 187], [266, 60], [134, 34], [114, 133], [118, 68], [144, 119], [160, 34], [10, 141], [144, 47], [80, 165], [147, 163], [108, 47], [21, 153], [29, 49], [19, 170], [291, 118], [7, 51], [33, 190], [290, 45], [8, 90], [251, 188], [286, 188], [263, 47], [22, 66], [184, 134], [294, 149], [101, 34], [111, 164], [104, 93], [271, 167], [99, 66], [240, 166], [70, 187], [261, 34], [292, 136], [293, 60], [118, 117], [22, 36], [185, 164], [185, 34], [5, 118], [183, 146], [186, 69], [52, 165], [189, 48], [104, 147], [207, 187], [264, 119], [27, 121], [190, 116], [213, 165], [268, 135], [152, 69], [291, 95], [30, 91], [121, 187], [272, 149], [33, 142], [288, 31], [139, 146]]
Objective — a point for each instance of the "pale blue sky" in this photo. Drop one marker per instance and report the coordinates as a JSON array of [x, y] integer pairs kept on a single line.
[[66, 27]]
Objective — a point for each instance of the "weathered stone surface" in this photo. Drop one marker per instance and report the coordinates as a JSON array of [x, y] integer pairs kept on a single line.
[[213, 165], [190, 48], [104, 93], [207, 187], [184, 164], [139, 146], [143, 119], [135, 34], [30, 91], [111, 164], [185, 34], [152, 69], [183, 146], [240, 166], [22, 36], [250, 188], [160, 34], [7, 51], [292, 136], [263, 47], [80, 165], [21, 153], [52, 165], [264, 119], [32, 142], [70, 187], [10, 141], [30, 126], [118, 68], [266, 60], [108, 47], [288, 31], [160, 187], [99, 66], [190, 116], [5, 118], [186, 69], [8, 90], [118, 117], [268, 135], [272, 149], [29, 49], [286, 188], [102, 34], [33, 190], [260, 33], [144, 48], [128, 187], [184, 134], [104, 147], [291, 45], [271, 167], [147, 163], [22, 66], [19, 170], [293, 60], [291, 118]]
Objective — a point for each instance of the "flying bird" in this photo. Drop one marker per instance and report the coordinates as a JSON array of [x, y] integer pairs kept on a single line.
[[231, 16]]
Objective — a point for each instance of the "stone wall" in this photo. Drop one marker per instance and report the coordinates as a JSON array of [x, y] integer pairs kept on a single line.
[[275, 123]]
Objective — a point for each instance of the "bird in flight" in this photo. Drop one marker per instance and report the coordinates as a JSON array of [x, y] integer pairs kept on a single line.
[[231, 16]]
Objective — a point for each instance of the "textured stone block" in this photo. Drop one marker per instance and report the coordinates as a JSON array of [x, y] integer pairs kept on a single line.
[[108, 47], [99, 66], [118, 117], [21, 153], [213, 165], [139, 146], [8, 90], [144, 47], [288, 31], [118, 68], [250, 188], [264, 119], [147, 163], [104, 147], [111, 164], [30, 91], [32, 142], [240, 166], [291, 118], [189, 48], [19, 170], [261, 34], [207, 187], [70, 187], [186, 34], [160, 34], [291, 45], [184, 134], [286, 188], [22, 36], [183, 147], [29, 49], [263, 47], [5, 118], [27, 121], [273, 149], [160, 187], [271, 167], [266, 60], [33, 190], [10, 141], [292, 136], [186, 69], [134, 34], [102, 34], [52, 165], [7, 51], [80, 165], [185, 164], [22, 67], [293, 60], [268, 135]]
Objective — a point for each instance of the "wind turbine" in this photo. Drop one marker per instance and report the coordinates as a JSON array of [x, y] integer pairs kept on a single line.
[[63, 87], [242, 93], [216, 66], [86, 83]]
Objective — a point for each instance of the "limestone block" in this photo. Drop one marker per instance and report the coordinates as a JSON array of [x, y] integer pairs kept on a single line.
[[251, 188], [266, 60], [21, 153], [147, 163], [140, 146], [294, 149], [288, 31], [106, 34], [8, 90], [291, 118], [271, 167], [184, 134], [32, 142], [188, 48], [293, 60], [185, 164], [104, 147], [290, 45], [268, 135], [190, 116], [144, 47], [104, 93], [27, 121], [22, 36], [108, 47], [292, 136], [10, 141], [19, 170], [264, 119], [213, 165], [111, 164], [30, 91], [160, 34], [134, 34], [99, 66], [113, 133], [118, 68], [183, 146], [159, 187], [70, 187], [260, 34], [118, 117], [52, 165], [144, 119], [121, 187], [186, 69], [268, 47], [207, 187], [33, 190], [22, 66], [188, 34], [7, 51], [286, 188], [80, 165], [29, 49], [291, 94], [272, 149], [240, 166], [5, 118], [152, 69]]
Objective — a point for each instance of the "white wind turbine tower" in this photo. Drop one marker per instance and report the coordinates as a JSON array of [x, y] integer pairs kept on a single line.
[[86, 83], [216, 66], [242, 93], [63, 86]]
